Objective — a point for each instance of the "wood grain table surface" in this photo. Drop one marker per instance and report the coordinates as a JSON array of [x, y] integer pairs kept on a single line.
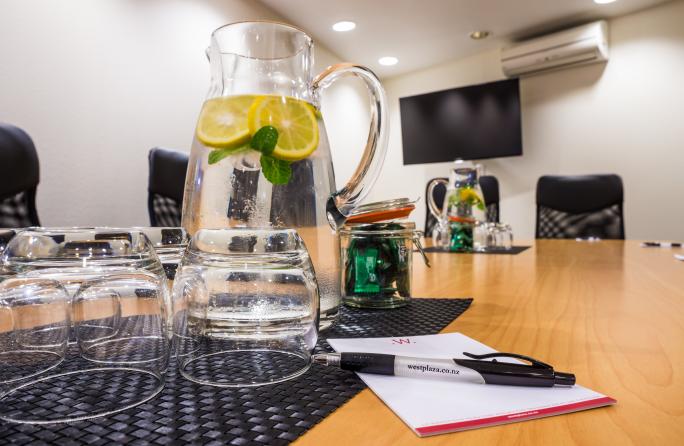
[[610, 311]]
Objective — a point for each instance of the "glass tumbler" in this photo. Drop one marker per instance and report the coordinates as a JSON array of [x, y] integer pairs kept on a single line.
[[118, 300], [5, 236], [170, 244], [490, 236], [73, 255], [440, 236], [504, 236], [246, 307], [481, 236], [34, 329]]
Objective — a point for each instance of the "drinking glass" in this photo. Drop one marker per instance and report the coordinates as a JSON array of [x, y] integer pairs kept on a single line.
[[34, 324], [503, 236], [493, 236], [169, 243], [441, 237], [481, 236], [131, 302], [246, 307], [5, 236], [73, 255]]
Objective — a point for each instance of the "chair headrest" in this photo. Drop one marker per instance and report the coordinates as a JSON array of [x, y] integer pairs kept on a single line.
[[19, 169], [490, 188], [579, 193], [167, 173]]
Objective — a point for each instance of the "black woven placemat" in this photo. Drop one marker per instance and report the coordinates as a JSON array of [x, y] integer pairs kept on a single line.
[[186, 412], [514, 250]]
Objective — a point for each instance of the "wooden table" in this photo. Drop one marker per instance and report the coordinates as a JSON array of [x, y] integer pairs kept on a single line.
[[611, 312]]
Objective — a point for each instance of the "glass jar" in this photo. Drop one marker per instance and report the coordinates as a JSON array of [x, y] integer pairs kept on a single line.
[[376, 263]]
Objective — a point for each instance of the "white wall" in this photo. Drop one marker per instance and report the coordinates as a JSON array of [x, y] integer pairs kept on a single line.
[[98, 83], [623, 117]]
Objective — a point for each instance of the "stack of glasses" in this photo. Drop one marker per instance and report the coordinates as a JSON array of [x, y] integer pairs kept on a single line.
[[82, 311], [87, 319], [492, 237]]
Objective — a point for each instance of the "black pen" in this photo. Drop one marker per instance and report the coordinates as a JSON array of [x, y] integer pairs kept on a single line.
[[661, 245], [535, 374]]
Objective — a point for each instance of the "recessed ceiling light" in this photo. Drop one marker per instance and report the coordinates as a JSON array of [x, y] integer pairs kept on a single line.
[[479, 35], [388, 60], [344, 26], [604, 2]]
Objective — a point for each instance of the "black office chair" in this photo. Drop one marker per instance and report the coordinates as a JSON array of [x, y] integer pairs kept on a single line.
[[490, 189], [19, 178], [165, 187], [580, 206]]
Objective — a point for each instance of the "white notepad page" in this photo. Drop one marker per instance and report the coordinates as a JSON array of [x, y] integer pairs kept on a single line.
[[432, 407]]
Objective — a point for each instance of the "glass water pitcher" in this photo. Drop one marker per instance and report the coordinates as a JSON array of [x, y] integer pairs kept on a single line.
[[261, 158], [462, 209]]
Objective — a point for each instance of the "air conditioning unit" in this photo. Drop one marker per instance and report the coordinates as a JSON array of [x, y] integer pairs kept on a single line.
[[577, 46]]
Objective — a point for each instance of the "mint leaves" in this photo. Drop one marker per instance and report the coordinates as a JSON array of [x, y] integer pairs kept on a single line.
[[264, 140], [217, 155], [276, 171]]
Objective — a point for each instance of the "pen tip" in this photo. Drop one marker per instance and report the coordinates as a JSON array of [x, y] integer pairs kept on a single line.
[[320, 359], [327, 359]]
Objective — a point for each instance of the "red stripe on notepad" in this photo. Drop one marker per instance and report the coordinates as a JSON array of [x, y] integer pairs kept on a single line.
[[520, 416]]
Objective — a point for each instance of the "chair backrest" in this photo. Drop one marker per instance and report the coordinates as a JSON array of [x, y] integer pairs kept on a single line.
[[165, 188], [490, 189], [580, 206], [19, 177]]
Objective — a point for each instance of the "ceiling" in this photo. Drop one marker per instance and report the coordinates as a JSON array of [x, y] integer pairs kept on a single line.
[[421, 33]]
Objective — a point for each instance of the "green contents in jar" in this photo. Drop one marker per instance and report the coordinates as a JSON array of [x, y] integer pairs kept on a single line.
[[378, 264], [365, 280], [461, 236]]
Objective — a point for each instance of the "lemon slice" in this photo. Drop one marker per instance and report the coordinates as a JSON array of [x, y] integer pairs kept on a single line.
[[295, 121], [222, 122]]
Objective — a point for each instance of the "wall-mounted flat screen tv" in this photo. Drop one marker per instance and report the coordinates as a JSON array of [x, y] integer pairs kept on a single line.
[[471, 123]]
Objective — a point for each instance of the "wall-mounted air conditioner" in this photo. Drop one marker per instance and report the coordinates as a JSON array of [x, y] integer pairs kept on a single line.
[[577, 46]]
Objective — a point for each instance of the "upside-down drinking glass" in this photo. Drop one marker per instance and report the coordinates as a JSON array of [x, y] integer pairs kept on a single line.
[[34, 327], [246, 307], [170, 244], [489, 236]]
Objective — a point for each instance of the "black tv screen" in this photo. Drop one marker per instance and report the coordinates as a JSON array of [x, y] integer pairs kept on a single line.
[[474, 122]]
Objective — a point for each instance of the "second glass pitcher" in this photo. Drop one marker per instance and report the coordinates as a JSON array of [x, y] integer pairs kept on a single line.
[[261, 158], [462, 209]]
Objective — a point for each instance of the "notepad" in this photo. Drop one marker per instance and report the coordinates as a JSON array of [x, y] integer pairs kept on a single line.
[[431, 407]]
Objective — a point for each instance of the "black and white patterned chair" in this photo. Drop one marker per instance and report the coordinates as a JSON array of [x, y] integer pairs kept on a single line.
[[490, 189], [165, 187], [580, 206], [19, 177]]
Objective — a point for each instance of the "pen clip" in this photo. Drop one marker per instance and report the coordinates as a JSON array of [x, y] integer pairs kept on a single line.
[[534, 362]]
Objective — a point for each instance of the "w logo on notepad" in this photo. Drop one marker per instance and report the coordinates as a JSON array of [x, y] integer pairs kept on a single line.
[[401, 341]]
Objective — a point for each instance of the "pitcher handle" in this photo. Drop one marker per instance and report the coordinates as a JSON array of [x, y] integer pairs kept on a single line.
[[432, 206], [341, 204]]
